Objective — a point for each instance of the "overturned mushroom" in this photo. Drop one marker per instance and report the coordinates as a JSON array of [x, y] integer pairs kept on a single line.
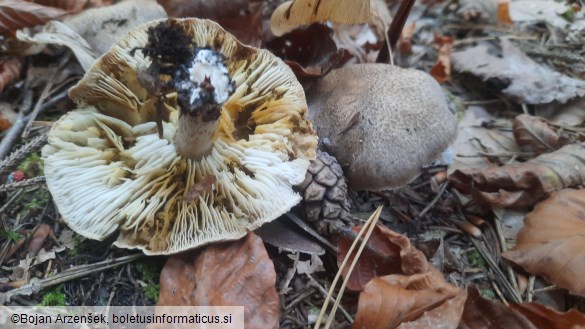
[[382, 122], [183, 137]]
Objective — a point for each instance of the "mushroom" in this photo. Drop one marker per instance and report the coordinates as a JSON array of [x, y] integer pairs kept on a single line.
[[382, 122], [182, 137]]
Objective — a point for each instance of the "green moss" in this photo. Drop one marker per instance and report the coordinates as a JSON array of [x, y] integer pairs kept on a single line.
[[487, 293], [474, 258], [54, 297], [39, 201], [78, 247], [10, 235], [32, 166], [149, 271], [152, 291]]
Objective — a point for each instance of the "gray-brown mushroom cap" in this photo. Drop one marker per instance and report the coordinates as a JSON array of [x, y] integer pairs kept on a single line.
[[382, 122]]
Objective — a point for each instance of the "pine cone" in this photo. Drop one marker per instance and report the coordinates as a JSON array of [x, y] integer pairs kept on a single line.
[[324, 192]]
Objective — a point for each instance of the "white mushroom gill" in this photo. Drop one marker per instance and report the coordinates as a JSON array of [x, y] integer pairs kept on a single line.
[[108, 170]]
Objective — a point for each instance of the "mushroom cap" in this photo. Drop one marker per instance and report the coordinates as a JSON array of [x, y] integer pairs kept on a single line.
[[381, 122], [108, 170]]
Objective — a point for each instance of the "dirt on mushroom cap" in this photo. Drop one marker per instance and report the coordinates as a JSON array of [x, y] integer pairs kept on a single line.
[[108, 169]]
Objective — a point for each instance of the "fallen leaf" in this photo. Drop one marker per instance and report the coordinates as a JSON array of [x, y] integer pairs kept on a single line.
[[405, 42], [446, 315], [539, 134], [570, 114], [482, 313], [242, 18], [227, 274], [503, 12], [388, 301], [15, 15], [203, 8], [382, 255], [475, 138], [9, 71], [7, 113], [441, 71], [473, 10], [38, 239], [524, 184], [310, 52], [552, 241], [280, 235], [538, 11], [101, 27], [57, 33], [293, 14], [527, 81], [72, 6]]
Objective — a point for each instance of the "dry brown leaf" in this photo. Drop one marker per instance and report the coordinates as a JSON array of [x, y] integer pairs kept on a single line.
[[539, 134], [523, 185], [15, 15], [204, 8], [242, 18], [503, 12], [446, 315], [482, 313], [527, 81], [546, 317], [9, 71], [405, 42], [388, 301], [441, 71], [293, 14], [72, 6], [227, 274], [552, 241], [387, 252], [38, 238]]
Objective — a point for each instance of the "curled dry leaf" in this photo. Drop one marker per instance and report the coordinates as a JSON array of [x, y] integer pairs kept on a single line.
[[310, 52], [9, 71], [387, 252], [552, 241], [441, 71], [242, 18], [293, 14], [527, 81], [540, 134], [73, 6], [523, 185], [38, 238], [503, 12], [15, 15], [388, 301], [228, 274], [482, 313]]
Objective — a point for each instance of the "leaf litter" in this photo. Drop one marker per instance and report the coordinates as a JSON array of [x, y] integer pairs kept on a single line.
[[502, 159]]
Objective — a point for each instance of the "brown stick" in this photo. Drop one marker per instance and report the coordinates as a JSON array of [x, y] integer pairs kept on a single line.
[[395, 30]]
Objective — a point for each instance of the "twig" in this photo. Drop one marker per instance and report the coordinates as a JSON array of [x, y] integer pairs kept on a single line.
[[502, 240], [530, 291], [71, 274], [326, 296], [300, 298], [18, 126], [511, 292], [9, 202], [38, 105], [25, 183], [434, 201], [295, 219], [17, 156]]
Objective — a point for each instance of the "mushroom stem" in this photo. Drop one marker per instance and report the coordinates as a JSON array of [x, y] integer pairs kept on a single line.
[[194, 137]]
